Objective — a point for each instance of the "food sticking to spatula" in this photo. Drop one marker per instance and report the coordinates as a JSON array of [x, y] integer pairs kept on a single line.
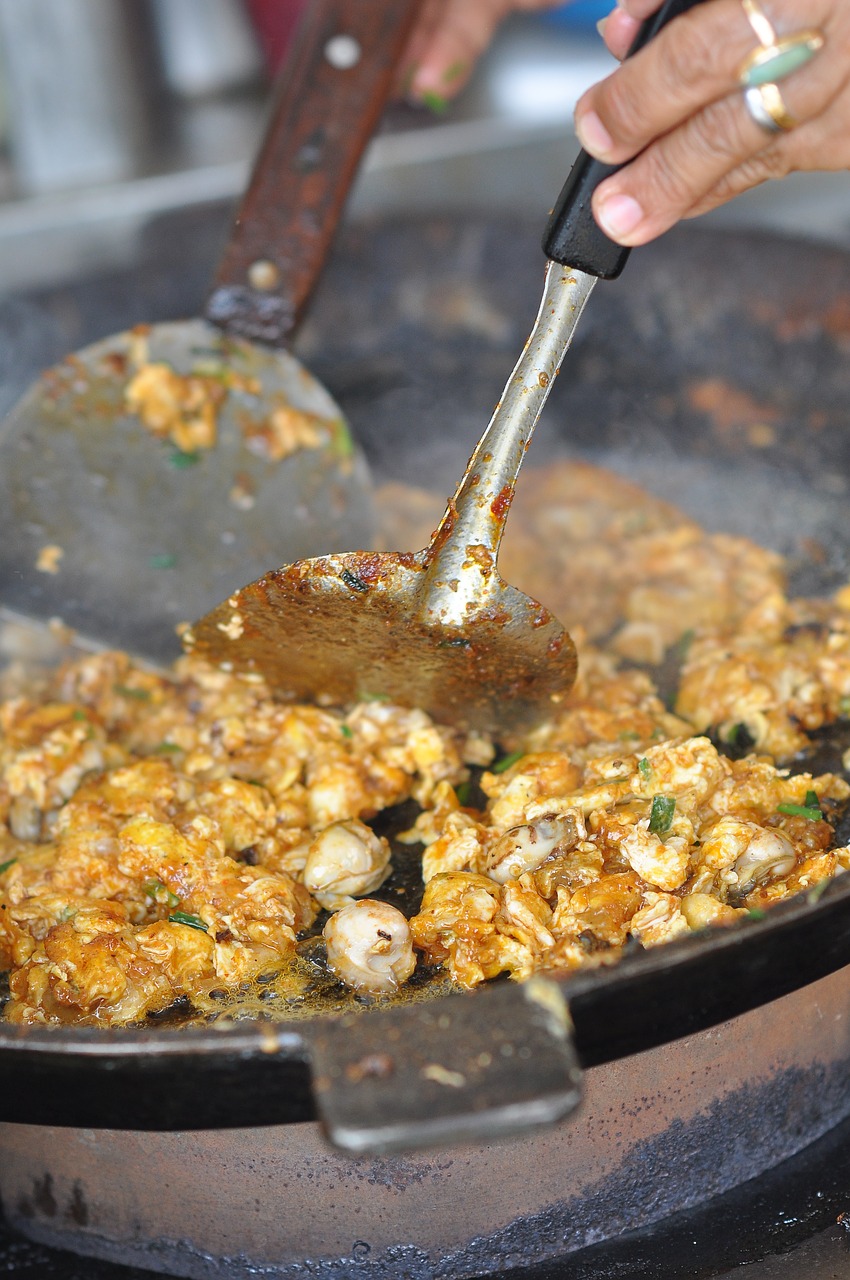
[[439, 629], [123, 530]]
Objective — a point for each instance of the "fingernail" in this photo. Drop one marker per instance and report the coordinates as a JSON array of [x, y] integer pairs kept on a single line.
[[600, 26], [593, 135], [618, 215]]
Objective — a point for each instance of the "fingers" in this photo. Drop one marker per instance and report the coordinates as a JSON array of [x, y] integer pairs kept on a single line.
[[674, 175], [427, 25], [669, 178], [449, 38], [618, 31], [691, 62], [681, 110], [824, 143]]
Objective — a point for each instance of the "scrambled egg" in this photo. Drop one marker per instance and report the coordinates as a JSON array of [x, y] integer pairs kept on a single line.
[[164, 837], [185, 409]]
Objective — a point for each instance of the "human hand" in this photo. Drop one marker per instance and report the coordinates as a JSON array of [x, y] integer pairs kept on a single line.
[[677, 114], [448, 39]]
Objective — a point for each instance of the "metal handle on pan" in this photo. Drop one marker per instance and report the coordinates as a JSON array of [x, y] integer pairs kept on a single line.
[[328, 100], [572, 235], [464, 1068]]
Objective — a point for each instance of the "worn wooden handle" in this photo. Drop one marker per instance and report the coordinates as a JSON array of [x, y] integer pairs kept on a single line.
[[329, 98]]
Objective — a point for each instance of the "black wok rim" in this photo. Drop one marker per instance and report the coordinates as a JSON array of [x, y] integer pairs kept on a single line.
[[258, 1073]]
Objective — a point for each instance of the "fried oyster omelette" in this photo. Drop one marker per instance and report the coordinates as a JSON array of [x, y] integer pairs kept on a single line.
[[167, 840]]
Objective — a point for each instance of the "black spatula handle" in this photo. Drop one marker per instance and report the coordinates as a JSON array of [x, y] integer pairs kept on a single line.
[[572, 236]]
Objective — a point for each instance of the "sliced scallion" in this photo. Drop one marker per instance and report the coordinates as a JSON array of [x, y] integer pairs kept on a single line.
[[811, 812], [661, 814], [184, 917], [160, 893], [501, 766], [128, 691], [180, 460]]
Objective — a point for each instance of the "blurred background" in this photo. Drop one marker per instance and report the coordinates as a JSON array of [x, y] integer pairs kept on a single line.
[[115, 112]]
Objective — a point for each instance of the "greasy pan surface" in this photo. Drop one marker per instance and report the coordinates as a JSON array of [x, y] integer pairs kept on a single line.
[[414, 333]]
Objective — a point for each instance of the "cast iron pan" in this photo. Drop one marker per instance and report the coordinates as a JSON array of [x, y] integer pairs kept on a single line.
[[411, 333]]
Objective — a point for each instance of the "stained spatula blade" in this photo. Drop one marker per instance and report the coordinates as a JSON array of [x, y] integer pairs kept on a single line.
[[75, 461]]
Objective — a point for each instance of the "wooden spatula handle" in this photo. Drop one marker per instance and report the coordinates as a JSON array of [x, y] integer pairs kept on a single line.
[[329, 97]]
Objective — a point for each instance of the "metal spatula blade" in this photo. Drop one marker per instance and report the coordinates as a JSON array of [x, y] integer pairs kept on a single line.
[[101, 525], [124, 536], [438, 629]]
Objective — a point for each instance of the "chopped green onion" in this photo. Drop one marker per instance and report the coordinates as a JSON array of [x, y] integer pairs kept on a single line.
[[167, 561], [462, 791], [679, 649], [206, 369], [818, 890], [127, 691], [183, 917], [733, 733], [342, 438], [811, 801], [844, 708], [180, 460], [77, 714], [373, 697], [645, 768], [661, 814], [756, 913], [801, 811], [628, 735], [501, 766], [4, 866], [346, 731], [159, 892], [165, 747], [435, 102]]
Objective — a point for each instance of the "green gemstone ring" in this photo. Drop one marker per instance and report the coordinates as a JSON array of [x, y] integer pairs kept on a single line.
[[776, 56]]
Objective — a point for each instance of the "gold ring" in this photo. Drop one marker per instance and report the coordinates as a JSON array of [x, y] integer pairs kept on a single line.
[[775, 56], [766, 107]]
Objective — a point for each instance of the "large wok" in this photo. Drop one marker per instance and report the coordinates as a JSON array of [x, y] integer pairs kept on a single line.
[[414, 338]]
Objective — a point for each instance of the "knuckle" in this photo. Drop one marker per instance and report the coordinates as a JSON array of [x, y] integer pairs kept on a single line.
[[775, 162], [772, 163]]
